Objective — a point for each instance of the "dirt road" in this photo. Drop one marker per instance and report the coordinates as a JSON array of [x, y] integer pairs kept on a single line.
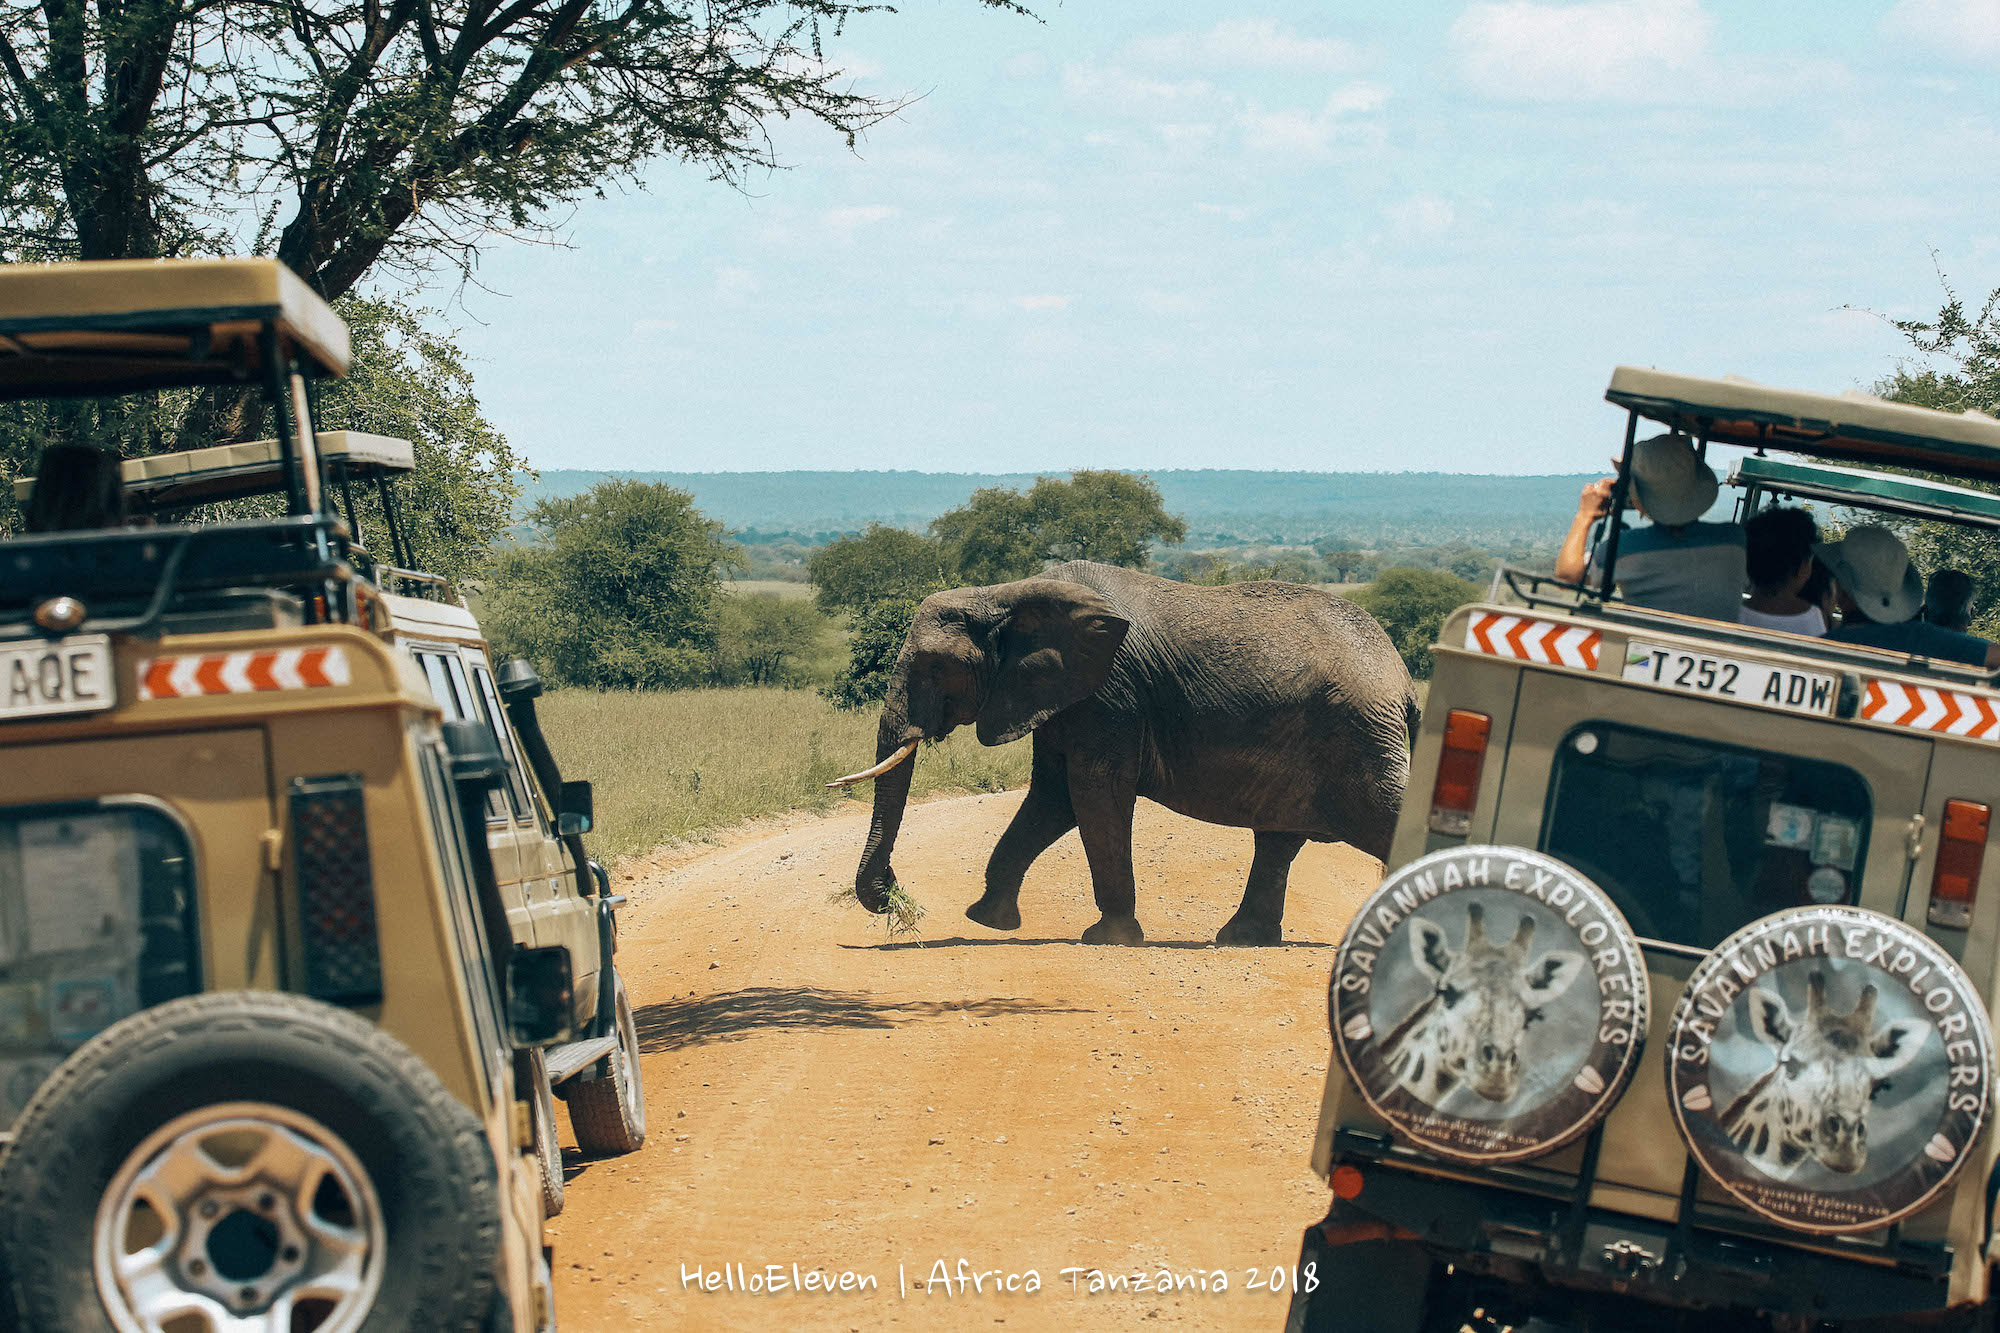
[[822, 1097]]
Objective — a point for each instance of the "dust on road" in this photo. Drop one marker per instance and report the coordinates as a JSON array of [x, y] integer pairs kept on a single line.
[[823, 1097]]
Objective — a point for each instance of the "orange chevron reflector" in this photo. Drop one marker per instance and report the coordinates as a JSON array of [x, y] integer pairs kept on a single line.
[[1931, 708], [1530, 640], [189, 675]]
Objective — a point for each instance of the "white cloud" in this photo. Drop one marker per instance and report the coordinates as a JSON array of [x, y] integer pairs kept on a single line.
[[860, 215], [1041, 302], [1624, 50], [733, 282], [1250, 43], [1421, 216], [1198, 133], [654, 325], [1108, 83], [1313, 133], [1234, 212], [1156, 302], [1966, 31]]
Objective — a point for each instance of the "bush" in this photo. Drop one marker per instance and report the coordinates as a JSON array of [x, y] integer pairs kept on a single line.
[[875, 639], [621, 592], [1412, 605], [764, 639]]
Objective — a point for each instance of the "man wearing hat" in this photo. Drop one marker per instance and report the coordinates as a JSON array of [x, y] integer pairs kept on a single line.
[[1880, 592], [1676, 563]]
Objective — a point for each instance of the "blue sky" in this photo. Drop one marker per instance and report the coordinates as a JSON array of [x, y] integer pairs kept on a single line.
[[1280, 236]]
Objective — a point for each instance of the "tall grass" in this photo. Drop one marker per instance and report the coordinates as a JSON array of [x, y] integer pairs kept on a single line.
[[675, 767]]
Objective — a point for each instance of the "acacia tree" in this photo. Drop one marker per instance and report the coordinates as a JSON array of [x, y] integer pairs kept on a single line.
[[347, 134]]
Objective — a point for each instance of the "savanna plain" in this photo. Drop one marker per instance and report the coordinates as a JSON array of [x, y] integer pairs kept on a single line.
[[945, 1103]]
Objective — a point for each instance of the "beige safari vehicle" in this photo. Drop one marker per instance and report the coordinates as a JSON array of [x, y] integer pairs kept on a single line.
[[1674, 1009], [554, 894], [270, 1042]]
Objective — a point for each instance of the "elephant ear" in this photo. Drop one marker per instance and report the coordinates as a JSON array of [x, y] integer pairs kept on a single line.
[[1052, 648]]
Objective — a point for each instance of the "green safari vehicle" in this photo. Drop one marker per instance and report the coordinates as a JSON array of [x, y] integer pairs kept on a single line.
[[1674, 1009]]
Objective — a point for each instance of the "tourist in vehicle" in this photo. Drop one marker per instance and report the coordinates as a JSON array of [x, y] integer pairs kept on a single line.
[[1675, 563], [1778, 554], [1948, 602], [76, 488], [1880, 593]]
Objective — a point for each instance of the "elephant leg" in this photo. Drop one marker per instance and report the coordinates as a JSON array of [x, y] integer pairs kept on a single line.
[[1260, 917], [1045, 815], [1104, 799]]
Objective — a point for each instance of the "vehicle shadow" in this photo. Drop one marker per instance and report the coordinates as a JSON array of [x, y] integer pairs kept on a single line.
[[961, 942], [670, 1025]]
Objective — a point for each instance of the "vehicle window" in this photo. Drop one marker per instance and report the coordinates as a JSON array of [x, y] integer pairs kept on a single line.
[[454, 696], [1693, 839], [97, 921], [481, 971], [517, 784], [440, 679]]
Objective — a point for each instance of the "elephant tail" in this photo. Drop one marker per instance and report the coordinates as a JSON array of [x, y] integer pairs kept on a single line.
[[1412, 715]]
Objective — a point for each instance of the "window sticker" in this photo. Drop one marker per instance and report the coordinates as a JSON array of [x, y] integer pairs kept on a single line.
[[79, 875], [1789, 826], [1835, 841], [21, 1015], [82, 1007]]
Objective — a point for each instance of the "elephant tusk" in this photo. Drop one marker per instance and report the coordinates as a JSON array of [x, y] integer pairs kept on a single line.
[[908, 748]]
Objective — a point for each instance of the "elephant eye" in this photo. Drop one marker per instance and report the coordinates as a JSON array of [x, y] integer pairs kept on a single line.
[[1449, 994], [1880, 1088], [1794, 1067], [1532, 1016]]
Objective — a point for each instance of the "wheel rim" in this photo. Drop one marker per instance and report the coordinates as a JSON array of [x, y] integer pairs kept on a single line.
[[627, 1057], [244, 1215]]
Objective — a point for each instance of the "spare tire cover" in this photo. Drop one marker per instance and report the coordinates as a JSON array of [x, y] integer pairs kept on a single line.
[[1489, 1003], [1830, 1067]]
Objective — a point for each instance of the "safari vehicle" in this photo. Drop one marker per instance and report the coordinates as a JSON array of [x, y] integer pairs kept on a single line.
[[1675, 1007], [262, 1014], [553, 893]]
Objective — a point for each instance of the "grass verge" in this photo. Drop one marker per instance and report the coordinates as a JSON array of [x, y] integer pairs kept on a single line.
[[680, 766]]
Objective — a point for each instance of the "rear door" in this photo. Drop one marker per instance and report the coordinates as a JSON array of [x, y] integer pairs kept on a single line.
[[1698, 818]]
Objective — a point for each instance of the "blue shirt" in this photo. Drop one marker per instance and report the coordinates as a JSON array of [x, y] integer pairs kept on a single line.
[[1918, 638], [1696, 569]]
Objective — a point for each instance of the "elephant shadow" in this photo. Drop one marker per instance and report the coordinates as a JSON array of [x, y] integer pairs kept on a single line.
[[962, 942], [670, 1025]]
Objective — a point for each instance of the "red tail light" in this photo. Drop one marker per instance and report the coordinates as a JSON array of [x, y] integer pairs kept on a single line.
[[1464, 755], [1961, 852]]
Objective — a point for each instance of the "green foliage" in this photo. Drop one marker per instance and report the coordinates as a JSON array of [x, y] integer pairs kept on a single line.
[[411, 382], [620, 592], [875, 639], [1412, 605], [764, 639], [1104, 516], [991, 538], [1969, 345], [883, 562], [399, 134]]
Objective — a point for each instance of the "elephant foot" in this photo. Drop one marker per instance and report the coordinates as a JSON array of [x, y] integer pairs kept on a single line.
[[996, 913], [1249, 930], [1115, 930]]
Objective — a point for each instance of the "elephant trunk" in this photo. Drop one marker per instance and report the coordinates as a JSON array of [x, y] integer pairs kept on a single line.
[[875, 876]]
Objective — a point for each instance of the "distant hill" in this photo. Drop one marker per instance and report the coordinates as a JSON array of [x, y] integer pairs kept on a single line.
[[1361, 508]]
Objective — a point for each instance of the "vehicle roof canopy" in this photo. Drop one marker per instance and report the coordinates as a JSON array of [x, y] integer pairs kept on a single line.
[[1855, 427], [231, 471], [1910, 497], [120, 325]]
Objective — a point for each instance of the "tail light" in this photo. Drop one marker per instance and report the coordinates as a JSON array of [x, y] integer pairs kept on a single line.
[[1961, 852], [336, 883], [1459, 765]]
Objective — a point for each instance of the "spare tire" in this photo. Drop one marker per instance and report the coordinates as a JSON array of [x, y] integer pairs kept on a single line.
[[252, 1157], [1830, 1068], [1489, 1003]]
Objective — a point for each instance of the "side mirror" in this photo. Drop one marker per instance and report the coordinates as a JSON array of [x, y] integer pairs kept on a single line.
[[541, 996], [517, 680], [577, 813], [475, 755]]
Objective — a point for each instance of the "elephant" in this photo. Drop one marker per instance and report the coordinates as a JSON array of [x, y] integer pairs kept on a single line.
[[1270, 706]]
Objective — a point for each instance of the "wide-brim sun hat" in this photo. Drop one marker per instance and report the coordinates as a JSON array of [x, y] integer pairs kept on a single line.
[[1672, 484], [1873, 565]]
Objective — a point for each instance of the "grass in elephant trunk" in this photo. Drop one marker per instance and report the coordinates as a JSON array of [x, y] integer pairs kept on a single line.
[[899, 917], [677, 766]]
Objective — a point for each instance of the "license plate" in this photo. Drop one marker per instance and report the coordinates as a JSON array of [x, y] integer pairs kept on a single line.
[[69, 676], [1732, 678]]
